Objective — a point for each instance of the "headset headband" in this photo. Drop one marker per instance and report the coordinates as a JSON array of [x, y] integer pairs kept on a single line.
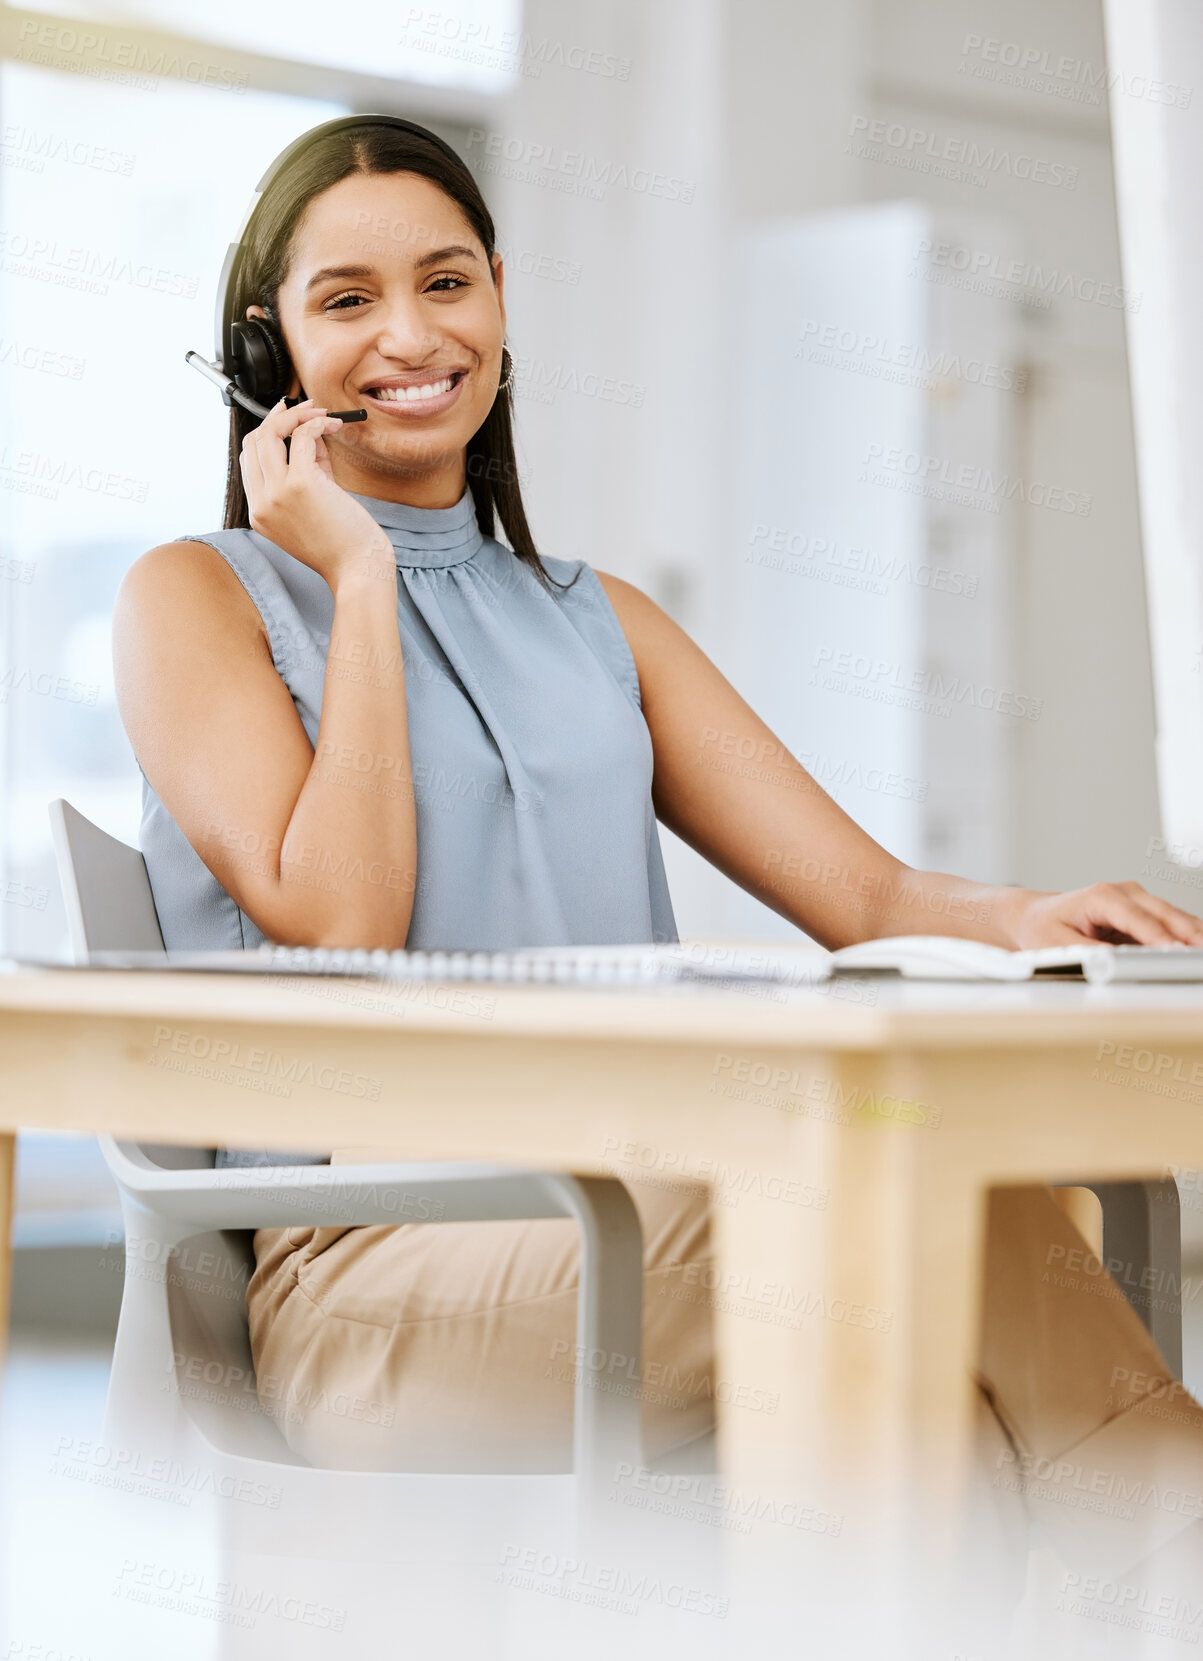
[[223, 319]]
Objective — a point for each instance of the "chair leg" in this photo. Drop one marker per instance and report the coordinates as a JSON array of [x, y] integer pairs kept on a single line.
[[607, 1425], [143, 1401], [1142, 1248]]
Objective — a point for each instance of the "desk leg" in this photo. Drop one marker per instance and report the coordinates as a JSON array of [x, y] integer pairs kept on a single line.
[[844, 1382], [8, 1163]]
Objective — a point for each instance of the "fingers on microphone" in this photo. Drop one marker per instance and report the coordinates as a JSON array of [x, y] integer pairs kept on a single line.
[[304, 439], [282, 418], [314, 427]]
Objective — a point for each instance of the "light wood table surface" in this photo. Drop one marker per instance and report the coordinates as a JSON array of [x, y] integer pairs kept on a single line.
[[850, 1137]]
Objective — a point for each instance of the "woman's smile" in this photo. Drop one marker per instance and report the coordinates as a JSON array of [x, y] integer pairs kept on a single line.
[[414, 397]]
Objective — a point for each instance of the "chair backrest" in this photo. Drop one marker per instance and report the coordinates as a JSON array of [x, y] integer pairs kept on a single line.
[[106, 889], [110, 908]]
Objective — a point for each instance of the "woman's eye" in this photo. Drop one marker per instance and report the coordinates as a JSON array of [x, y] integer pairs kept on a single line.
[[441, 285]]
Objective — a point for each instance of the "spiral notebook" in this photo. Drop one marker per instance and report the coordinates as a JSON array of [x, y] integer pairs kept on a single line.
[[636, 965], [914, 957]]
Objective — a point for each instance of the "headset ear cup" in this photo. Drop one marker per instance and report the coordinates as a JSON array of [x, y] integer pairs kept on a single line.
[[262, 367]]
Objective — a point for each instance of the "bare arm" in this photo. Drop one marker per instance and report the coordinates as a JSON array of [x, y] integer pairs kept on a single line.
[[725, 784], [317, 848]]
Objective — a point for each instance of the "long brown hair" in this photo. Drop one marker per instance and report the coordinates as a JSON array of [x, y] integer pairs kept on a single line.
[[376, 147]]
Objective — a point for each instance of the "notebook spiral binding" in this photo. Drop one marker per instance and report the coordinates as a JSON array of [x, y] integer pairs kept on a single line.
[[634, 965]]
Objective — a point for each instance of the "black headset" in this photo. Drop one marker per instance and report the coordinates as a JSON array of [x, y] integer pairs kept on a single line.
[[252, 366]]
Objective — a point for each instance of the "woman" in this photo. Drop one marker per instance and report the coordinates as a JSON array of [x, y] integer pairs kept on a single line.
[[363, 721]]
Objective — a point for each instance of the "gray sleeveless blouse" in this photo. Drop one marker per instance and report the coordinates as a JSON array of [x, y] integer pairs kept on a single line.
[[531, 760]]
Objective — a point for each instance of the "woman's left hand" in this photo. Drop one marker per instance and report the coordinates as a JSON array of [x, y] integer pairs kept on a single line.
[[1120, 913]]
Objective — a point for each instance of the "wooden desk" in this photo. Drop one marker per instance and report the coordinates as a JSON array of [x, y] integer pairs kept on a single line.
[[849, 1143]]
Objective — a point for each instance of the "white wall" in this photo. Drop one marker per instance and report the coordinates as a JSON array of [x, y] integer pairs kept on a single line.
[[1085, 804]]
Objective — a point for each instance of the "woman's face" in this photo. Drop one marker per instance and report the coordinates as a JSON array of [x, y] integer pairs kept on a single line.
[[389, 294]]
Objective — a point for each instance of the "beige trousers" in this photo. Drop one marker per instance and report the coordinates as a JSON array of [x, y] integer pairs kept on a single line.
[[452, 1346]]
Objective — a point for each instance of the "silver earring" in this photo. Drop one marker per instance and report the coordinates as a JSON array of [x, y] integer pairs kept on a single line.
[[507, 379]]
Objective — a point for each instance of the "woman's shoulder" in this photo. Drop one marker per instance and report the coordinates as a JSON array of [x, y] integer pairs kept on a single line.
[[197, 562], [653, 641], [185, 580], [632, 608], [187, 560]]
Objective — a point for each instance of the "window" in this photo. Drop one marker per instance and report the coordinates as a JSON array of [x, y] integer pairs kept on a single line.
[[122, 192]]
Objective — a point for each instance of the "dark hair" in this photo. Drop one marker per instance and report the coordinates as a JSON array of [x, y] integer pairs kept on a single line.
[[377, 147]]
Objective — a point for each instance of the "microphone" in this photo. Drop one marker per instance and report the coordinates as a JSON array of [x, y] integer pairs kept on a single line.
[[233, 393]]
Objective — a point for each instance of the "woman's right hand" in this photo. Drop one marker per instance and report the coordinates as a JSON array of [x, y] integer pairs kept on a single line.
[[294, 501]]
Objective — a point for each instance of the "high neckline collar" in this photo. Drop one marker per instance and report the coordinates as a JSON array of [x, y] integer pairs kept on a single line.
[[427, 538]]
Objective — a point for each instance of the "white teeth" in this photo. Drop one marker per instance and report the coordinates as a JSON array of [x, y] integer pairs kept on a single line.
[[411, 394]]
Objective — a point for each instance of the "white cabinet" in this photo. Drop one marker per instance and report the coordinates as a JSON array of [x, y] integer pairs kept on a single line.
[[874, 525]]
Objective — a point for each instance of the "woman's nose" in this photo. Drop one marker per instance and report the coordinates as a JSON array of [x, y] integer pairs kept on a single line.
[[405, 331]]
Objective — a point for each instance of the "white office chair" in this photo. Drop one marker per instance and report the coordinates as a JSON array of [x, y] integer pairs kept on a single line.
[[1142, 1243], [178, 1329]]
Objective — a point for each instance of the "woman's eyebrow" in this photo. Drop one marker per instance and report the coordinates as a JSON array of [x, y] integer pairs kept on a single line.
[[328, 271], [444, 254]]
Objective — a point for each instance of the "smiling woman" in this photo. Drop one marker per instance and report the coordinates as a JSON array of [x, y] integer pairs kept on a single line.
[[389, 222], [364, 720], [354, 669], [445, 304]]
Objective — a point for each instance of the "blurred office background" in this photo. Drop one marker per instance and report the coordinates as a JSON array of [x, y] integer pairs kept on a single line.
[[820, 328], [821, 337]]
